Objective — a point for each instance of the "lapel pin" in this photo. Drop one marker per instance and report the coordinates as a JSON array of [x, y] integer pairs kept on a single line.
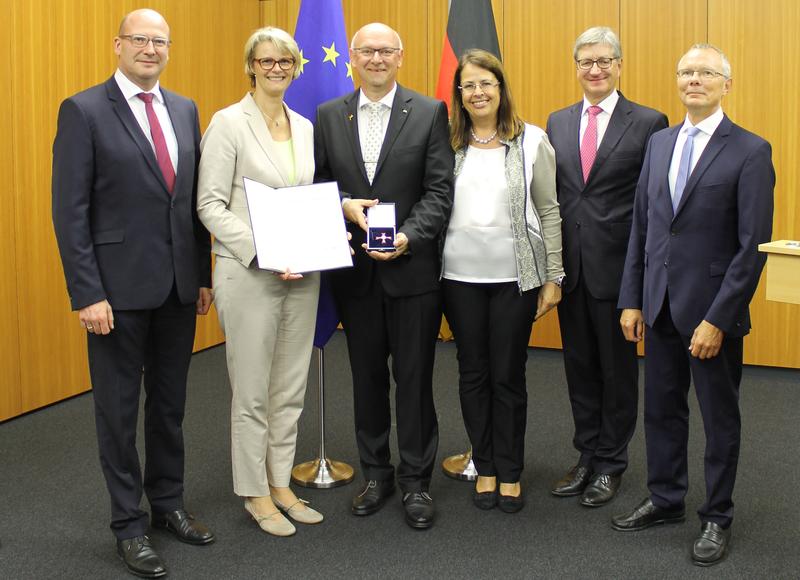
[[405, 111], [350, 117]]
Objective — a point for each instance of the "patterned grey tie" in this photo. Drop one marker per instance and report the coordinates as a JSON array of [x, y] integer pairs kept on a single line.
[[374, 140]]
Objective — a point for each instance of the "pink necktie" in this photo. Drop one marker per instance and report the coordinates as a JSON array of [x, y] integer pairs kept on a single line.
[[162, 153], [589, 143]]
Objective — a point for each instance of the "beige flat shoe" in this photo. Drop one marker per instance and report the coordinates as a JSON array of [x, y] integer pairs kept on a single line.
[[273, 523], [304, 516]]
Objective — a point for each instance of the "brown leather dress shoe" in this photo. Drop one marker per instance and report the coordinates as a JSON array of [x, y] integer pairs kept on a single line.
[[601, 490], [184, 527], [711, 546], [644, 515], [574, 482], [140, 558]]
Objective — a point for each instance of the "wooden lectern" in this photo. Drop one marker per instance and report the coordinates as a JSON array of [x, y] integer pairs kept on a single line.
[[783, 270]]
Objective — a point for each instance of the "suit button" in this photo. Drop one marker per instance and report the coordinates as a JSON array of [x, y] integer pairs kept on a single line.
[[666, 264], [577, 224]]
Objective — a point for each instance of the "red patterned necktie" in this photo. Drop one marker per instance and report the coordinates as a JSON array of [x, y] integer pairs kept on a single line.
[[589, 143], [162, 153]]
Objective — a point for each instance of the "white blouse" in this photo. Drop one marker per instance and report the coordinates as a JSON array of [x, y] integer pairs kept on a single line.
[[479, 246]]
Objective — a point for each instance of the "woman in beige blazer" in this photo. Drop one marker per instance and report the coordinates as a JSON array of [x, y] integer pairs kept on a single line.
[[268, 319]]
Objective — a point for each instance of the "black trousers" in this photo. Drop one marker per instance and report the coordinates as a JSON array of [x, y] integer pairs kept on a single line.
[[376, 326], [602, 377], [491, 324], [157, 344], [668, 369]]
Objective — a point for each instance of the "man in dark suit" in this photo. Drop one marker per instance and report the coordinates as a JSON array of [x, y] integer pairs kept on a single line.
[[600, 143], [389, 144], [703, 204], [137, 265]]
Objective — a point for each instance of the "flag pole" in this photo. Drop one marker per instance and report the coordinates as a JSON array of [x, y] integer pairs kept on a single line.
[[322, 473], [320, 23]]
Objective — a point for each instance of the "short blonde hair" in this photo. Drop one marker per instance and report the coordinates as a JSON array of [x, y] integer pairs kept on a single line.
[[282, 40]]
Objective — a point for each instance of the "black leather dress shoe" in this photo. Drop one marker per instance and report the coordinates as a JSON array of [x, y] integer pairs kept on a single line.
[[485, 500], [419, 509], [573, 483], [601, 490], [711, 546], [183, 525], [140, 558], [373, 497], [646, 514]]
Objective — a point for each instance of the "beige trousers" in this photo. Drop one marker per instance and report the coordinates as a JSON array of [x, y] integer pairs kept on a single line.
[[269, 328]]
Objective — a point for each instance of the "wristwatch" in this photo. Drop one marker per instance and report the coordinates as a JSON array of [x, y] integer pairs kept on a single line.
[[559, 281]]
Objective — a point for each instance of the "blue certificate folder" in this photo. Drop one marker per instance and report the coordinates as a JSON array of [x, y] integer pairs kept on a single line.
[[300, 229], [381, 224]]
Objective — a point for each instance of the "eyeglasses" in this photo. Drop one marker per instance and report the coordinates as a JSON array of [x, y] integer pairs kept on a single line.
[[705, 74], [469, 88], [267, 64], [602, 63], [385, 52], [140, 40]]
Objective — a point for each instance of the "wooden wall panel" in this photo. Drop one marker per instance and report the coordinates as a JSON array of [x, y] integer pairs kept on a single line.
[[52, 349], [536, 40], [10, 386], [758, 38], [651, 49]]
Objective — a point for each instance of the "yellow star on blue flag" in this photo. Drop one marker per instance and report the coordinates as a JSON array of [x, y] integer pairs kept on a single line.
[[330, 53], [303, 61]]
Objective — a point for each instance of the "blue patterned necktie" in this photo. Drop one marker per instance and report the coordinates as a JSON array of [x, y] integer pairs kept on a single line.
[[684, 167]]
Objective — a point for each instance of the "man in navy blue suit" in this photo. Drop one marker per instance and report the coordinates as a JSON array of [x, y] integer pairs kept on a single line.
[[703, 204], [138, 270]]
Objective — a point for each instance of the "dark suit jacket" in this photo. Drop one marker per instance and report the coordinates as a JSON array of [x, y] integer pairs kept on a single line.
[[414, 171], [596, 216], [705, 256], [122, 236]]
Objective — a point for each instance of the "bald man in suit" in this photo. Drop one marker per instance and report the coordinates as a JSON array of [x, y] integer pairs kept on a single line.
[[389, 301], [138, 270]]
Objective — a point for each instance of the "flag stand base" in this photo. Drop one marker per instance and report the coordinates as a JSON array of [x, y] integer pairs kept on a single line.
[[460, 466], [322, 473]]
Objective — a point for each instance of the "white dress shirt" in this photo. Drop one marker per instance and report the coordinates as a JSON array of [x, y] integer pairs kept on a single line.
[[608, 105], [130, 91], [707, 127]]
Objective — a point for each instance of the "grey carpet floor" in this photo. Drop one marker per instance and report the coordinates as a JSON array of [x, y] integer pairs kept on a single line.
[[54, 506]]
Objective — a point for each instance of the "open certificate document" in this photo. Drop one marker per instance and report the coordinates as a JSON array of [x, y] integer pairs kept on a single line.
[[298, 228]]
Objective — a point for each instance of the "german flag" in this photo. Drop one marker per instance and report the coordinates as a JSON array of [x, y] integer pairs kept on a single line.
[[470, 24]]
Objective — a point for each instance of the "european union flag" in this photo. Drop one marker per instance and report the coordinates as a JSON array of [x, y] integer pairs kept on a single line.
[[325, 71], [325, 74]]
